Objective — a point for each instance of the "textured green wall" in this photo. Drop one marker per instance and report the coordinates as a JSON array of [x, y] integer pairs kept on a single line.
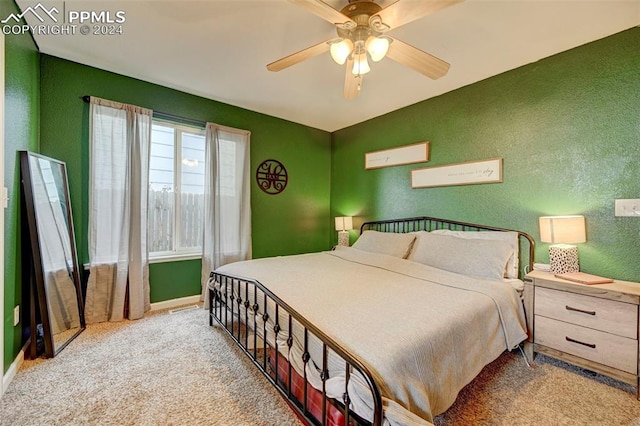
[[181, 278], [22, 97], [568, 128], [295, 221]]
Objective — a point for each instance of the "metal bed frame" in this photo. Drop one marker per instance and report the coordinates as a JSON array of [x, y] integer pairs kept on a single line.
[[234, 297]]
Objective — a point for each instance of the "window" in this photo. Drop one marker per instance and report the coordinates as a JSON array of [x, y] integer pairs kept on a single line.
[[176, 190]]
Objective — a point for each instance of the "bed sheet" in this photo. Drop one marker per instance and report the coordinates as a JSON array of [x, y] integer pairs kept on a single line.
[[424, 333]]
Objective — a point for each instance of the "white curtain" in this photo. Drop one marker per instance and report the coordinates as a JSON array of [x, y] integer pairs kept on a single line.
[[118, 283], [227, 227]]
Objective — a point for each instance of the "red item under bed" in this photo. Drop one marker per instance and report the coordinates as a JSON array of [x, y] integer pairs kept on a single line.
[[335, 417]]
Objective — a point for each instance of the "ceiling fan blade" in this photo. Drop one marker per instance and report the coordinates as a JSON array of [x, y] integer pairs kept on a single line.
[[352, 83], [324, 11], [404, 11], [418, 60], [300, 56]]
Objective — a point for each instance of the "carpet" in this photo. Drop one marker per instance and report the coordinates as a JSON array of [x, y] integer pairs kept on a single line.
[[164, 369], [173, 369], [550, 392]]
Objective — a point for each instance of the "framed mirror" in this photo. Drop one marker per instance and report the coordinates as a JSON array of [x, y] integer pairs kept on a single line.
[[54, 274]]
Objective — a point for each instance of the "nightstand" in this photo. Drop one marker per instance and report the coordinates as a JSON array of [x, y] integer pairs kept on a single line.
[[592, 326]]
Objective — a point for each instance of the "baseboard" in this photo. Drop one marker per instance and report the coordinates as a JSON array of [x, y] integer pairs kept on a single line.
[[174, 303], [12, 371]]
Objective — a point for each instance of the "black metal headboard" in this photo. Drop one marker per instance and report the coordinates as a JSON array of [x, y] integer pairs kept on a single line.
[[425, 223]]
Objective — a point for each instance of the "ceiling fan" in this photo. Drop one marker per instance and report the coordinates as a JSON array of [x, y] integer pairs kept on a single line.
[[361, 26]]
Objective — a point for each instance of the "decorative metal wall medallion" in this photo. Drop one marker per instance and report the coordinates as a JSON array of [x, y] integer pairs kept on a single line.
[[272, 177]]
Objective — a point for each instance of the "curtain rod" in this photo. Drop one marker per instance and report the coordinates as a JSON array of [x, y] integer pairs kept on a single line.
[[167, 116]]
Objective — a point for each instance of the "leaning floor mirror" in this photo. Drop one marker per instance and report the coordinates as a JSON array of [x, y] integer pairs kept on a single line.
[[55, 278]]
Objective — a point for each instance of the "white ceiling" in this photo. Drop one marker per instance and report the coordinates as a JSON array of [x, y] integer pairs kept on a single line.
[[219, 49]]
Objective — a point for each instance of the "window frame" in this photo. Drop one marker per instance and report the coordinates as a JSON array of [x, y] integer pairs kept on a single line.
[[176, 253]]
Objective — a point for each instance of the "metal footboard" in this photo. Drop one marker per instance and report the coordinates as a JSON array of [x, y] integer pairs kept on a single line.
[[257, 320]]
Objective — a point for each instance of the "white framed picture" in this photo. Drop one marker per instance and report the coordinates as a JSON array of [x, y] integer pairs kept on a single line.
[[468, 173], [408, 154]]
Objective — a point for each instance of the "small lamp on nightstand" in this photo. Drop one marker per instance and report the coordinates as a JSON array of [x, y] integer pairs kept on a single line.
[[343, 225], [562, 232]]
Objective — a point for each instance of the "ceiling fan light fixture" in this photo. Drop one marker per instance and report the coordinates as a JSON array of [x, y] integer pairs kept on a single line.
[[361, 28], [341, 50], [377, 47], [360, 64]]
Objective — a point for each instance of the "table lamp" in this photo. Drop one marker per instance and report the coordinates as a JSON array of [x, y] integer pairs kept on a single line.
[[343, 225], [562, 232]]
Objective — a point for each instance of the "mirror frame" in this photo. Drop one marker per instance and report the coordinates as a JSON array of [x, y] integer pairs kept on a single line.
[[37, 274]]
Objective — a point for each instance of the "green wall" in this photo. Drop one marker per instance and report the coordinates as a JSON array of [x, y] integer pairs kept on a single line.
[[568, 128], [182, 279], [22, 103], [295, 221]]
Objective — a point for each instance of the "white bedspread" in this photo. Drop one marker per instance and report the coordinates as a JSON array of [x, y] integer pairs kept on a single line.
[[424, 333]]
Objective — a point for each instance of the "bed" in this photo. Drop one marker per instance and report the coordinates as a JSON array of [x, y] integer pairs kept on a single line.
[[385, 332]]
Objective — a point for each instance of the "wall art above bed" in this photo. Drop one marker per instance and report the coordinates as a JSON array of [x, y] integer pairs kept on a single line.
[[468, 173], [408, 154]]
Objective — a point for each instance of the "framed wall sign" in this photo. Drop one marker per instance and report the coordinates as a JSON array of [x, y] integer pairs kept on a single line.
[[472, 172], [408, 154]]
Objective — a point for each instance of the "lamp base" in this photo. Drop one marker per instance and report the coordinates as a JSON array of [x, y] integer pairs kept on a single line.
[[563, 259], [343, 238]]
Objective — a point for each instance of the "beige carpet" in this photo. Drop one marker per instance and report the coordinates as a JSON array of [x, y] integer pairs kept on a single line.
[[507, 392], [165, 369], [173, 369]]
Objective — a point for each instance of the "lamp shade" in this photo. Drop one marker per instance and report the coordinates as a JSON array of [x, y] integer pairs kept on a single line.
[[562, 229], [344, 223], [341, 50], [360, 64], [377, 47]]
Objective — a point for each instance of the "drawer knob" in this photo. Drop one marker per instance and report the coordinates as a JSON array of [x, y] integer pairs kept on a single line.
[[591, 345], [569, 308]]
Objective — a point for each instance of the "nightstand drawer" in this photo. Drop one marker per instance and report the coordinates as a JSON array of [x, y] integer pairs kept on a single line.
[[606, 315], [604, 348]]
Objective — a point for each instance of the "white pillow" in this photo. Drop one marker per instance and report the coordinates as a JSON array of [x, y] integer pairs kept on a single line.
[[415, 244], [507, 236], [391, 243], [476, 257]]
